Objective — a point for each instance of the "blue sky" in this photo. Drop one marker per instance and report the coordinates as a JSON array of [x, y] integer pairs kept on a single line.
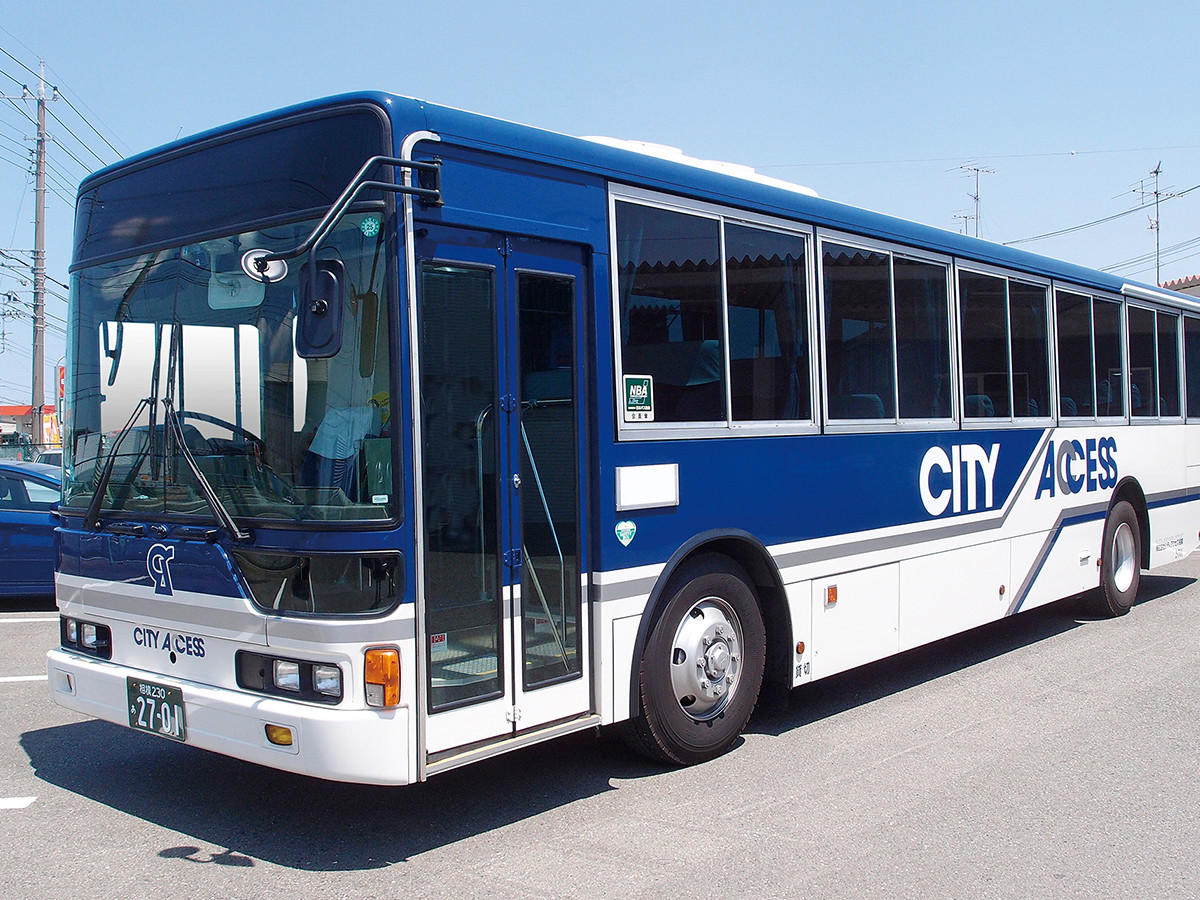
[[876, 104]]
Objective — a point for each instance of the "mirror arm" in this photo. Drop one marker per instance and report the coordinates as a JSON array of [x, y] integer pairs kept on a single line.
[[430, 195]]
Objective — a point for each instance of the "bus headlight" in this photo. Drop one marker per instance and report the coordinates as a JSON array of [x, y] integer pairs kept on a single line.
[[327, 680], [286, 675], [72, 630], [88, 636]]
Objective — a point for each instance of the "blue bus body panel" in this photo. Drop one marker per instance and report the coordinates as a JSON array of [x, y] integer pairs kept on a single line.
[[801, 488]]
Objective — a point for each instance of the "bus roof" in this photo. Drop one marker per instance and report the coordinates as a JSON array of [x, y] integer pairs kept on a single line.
[[723, 183]]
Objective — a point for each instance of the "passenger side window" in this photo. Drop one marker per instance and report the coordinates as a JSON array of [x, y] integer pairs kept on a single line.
[[983, 300], [922, 339], [858, 333], [768, 325], [1110, 365], [1143, 371], [669, 286], [1029, 333], [1168, 364], [1191, 358], [1075, 379]]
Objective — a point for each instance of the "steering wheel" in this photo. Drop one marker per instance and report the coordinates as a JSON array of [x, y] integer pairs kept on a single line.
[[259, 444], [258, 449]]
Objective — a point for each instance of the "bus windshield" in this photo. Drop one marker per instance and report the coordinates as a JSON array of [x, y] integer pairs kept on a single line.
[[277, 436]]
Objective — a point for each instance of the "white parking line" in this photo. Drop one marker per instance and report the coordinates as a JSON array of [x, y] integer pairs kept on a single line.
[[12, 679], [25, 621], [16, 802]]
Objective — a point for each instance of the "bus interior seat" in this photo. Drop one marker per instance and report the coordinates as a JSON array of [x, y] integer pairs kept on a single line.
[[687, 378], [1067, 405], [856, 406], [979, 406], [764, 388]]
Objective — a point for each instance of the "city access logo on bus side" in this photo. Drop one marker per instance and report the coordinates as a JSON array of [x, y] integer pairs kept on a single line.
[[1088, 465], [962, 478], [959, 481]]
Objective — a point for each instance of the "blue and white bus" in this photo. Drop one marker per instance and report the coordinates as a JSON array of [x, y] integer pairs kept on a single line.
[[398, 437]]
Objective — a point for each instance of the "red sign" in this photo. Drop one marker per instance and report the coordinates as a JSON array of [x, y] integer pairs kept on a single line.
[[62, 382]]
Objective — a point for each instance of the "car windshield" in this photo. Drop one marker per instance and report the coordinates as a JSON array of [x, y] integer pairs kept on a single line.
[[277, 436]]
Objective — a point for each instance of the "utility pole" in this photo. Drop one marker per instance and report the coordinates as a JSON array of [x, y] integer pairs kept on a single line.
[[1157, 240], [37, 393]]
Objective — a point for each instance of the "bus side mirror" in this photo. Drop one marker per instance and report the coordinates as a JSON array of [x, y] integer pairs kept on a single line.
[[319, 316]]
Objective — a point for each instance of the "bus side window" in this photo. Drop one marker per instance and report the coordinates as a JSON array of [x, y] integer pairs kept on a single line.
[[669, 286], [768, 324], [858, 333]]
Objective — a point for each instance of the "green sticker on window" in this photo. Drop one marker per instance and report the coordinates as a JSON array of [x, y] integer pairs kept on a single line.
[[370, 226], [639, 398]]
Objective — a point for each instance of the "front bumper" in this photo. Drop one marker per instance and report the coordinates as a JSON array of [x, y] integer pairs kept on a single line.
[[362, 746]]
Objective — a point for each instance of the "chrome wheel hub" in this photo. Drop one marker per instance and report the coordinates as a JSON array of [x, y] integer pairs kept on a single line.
[[1124, 566], [705, 659]]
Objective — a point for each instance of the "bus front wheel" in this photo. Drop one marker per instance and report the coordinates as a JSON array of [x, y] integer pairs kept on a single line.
[[702, 667], [1120, 560]]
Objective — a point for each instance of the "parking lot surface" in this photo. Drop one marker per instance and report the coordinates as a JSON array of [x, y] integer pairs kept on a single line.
[[1052, 754]]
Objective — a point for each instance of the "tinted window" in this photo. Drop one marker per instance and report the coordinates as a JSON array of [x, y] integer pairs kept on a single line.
[[1028, 310], [1143, 377], [1168, 365], [1075, 381], [922, 339], [273, 172], [1110, 381], [1191, 356], [984, 346], [768, 324], [1143, 371], [858, 333], [669, 286]]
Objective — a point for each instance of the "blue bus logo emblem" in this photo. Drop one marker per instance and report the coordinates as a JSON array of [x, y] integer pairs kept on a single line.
[[158, 565]]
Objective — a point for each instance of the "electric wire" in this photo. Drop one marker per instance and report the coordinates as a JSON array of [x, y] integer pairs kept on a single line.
[[67, 128], [1074, 228]]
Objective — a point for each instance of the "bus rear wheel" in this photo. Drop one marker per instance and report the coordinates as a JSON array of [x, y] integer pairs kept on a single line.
[[1120, 560], [702, 667]]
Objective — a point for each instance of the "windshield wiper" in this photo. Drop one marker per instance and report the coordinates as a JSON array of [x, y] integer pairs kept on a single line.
[[93, 511], [220, 513]]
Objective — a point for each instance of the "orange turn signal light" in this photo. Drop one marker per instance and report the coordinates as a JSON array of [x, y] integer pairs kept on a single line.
[[382, 677]]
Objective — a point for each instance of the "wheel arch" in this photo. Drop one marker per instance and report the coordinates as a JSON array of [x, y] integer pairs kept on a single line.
[[1130, 490], [748, 552]]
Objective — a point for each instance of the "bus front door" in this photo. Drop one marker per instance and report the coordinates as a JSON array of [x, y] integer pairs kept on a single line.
[[499, 339]]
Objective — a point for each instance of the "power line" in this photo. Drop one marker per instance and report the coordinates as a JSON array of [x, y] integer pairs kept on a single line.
[[67, 128], [91, 126], [1074, 228]]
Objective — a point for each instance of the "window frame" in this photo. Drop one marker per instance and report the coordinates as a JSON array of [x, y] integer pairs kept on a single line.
[[1184, 316], [1012, 420], [912, 254], [729, 427], [1093, 295], [1179, 314]]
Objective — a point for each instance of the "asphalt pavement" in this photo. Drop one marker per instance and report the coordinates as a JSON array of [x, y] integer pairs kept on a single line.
[[1049, 755]]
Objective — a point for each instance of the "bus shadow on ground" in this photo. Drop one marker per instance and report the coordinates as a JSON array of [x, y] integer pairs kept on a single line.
[[238, 813], [874, 681]]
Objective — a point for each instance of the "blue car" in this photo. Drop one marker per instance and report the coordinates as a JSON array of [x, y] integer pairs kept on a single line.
[[29, 495]]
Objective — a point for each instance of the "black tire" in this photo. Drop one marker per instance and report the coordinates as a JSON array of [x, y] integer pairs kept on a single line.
[[693, 704], [1120, 561]]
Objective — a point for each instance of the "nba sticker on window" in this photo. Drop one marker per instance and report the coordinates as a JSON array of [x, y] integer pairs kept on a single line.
[[639, 398]]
